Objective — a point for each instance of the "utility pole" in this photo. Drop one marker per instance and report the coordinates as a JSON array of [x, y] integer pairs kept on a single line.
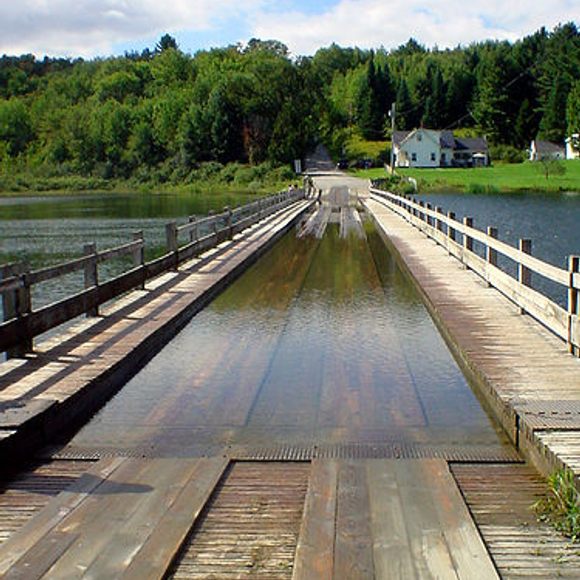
[[392, 114]]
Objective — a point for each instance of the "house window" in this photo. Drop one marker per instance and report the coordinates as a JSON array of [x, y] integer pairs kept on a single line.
[[443, 158], [413, 157], [432, 156]]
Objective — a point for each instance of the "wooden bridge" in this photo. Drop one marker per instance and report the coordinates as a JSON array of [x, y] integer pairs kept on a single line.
[[357, 510]]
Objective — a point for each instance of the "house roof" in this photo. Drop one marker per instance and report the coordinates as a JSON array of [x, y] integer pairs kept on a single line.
[[400, 136], [447, 140], [548, 147], [472, 143]]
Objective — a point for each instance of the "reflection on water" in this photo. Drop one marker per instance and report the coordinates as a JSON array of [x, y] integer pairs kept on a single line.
[[321, 341]]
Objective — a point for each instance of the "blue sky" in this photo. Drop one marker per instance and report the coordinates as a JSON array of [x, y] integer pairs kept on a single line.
[[91, 28]]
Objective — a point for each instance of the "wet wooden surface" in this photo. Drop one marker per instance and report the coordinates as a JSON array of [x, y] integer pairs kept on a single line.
[[519, 362]]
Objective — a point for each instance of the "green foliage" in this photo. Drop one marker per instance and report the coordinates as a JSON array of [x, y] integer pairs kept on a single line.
[[573, 110], [161, 114], [550, 167], [507, 154], [561, 506], [15, 126]]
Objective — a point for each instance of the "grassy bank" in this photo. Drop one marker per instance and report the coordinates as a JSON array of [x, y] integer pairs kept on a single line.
[[501, 177], [207, 179]]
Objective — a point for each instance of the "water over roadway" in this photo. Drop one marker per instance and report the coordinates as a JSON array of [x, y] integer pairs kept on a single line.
[[323, 341]]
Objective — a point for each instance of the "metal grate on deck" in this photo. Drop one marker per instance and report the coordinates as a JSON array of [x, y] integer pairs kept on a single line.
[[403, 450], [548, 415]]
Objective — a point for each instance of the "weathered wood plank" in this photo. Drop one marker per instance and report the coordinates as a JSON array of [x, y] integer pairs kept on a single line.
[[391, 548], [472, 562], [314, 558], [99, 514], [430, 551], [127, 538], [36, 563], [156, 554], [353, 552], [47, 519]]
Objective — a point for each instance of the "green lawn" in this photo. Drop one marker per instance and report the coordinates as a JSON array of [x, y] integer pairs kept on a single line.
[[501, 177]]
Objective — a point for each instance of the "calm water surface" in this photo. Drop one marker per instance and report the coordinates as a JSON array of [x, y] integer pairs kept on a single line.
[[321, 341]]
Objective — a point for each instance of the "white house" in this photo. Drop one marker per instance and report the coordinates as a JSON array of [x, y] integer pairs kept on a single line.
[[573, 146], [545, 150], [430, 148], [418, 148]]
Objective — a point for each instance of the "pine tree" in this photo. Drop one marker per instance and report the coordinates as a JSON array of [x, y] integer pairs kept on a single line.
[[404, 106]]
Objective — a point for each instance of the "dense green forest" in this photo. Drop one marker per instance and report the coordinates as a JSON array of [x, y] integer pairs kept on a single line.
[[163, 116]]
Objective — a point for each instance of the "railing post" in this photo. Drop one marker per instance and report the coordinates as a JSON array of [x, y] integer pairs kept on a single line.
[[139, 254], [214, 225], [229, 224], [10, 298], [468, 240], [91, 274], [422, 215], [438, 222], [429, 219], [451, 231], [171, 240], [193, 233], [574, 306], [17, 304], [490, 253], [524, 274]]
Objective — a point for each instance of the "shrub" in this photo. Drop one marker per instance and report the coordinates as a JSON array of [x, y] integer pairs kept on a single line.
[[507, 154], [561, 506]]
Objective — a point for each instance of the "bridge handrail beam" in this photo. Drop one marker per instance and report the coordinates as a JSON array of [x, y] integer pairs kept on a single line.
[[565, 323], [22, 323], [554, 273]]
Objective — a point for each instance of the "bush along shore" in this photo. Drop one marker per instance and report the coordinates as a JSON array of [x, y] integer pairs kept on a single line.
[[206, 178]]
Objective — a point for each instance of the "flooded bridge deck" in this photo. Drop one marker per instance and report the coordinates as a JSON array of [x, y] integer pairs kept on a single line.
[[309, 423]]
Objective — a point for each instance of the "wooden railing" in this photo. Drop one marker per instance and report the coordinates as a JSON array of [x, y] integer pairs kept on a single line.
[[458, 237], [22, 322]]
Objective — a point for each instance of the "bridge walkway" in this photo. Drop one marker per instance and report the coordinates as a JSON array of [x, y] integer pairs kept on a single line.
[[127, 517], [527, 375]]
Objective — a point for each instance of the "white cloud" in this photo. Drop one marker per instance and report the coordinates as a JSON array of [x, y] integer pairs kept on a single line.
[[374, 23], [93, 27]]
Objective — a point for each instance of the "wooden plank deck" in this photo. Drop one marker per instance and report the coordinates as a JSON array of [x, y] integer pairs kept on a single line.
[[388, 519], [499, 497], [325, 519], [517, 361], [129, 518], [70, 375]]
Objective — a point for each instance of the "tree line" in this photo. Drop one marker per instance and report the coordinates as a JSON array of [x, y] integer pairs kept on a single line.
[[161, 113]]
